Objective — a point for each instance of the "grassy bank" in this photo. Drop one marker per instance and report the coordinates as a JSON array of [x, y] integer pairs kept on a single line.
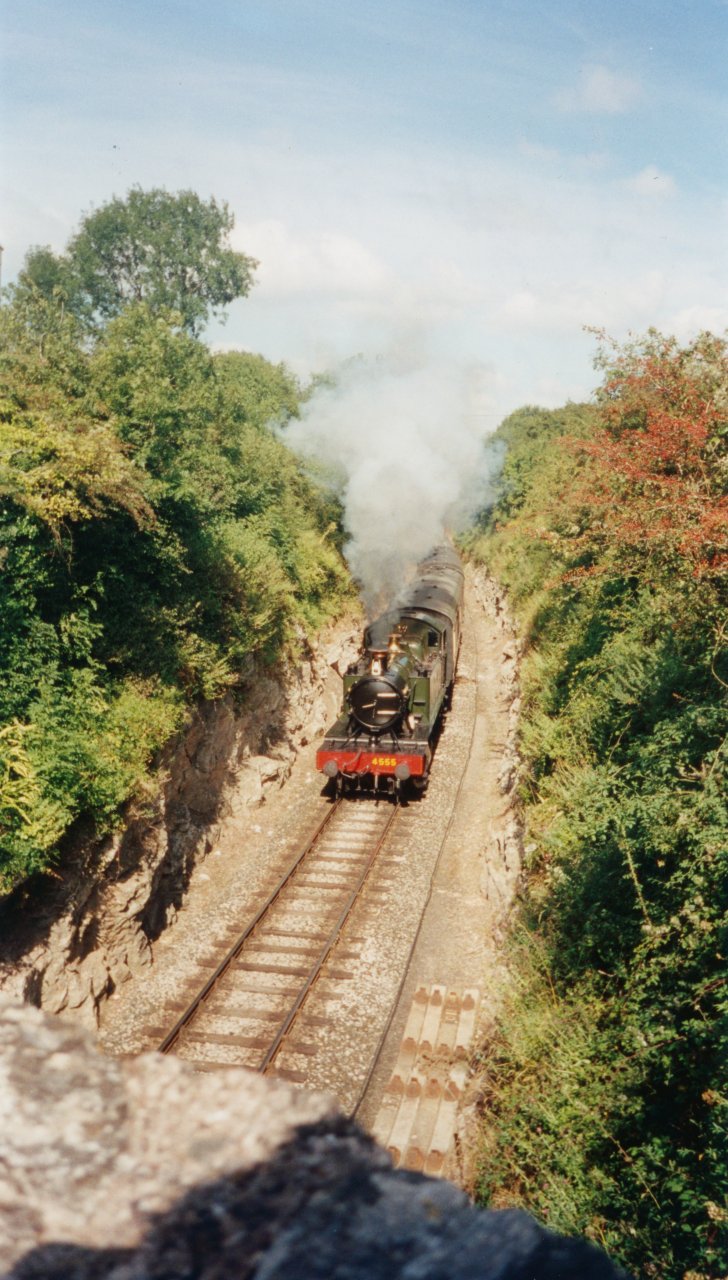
[[606, 1085]]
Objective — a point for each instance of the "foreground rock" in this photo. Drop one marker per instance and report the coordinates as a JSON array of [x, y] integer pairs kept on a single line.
[[138, 1168]]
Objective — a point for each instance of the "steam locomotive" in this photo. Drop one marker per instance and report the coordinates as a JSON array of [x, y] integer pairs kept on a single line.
[[395, 692]]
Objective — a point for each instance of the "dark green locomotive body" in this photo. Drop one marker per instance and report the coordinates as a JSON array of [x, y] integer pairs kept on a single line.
[[395, 692]]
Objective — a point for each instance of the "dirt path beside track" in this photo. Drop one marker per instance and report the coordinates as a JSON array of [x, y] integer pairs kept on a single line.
[[459, 947]]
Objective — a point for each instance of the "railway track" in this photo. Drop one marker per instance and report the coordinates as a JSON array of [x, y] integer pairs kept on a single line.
[[318, 986], [308, 989], [323, 987], [253, 1010]]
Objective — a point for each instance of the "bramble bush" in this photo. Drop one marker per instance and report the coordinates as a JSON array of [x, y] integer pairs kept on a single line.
[[607, 1084]]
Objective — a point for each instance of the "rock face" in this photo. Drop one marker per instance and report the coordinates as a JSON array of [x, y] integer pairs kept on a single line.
[[138, 1168], [70, 940]]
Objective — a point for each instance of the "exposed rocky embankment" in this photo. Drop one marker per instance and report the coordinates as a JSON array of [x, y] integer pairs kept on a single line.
[[127, 1169], [71, 939]]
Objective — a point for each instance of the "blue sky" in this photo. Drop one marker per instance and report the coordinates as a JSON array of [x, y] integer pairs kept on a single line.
[[474, 180]]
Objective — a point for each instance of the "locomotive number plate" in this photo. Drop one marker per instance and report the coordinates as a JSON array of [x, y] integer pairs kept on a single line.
[[386, 762]]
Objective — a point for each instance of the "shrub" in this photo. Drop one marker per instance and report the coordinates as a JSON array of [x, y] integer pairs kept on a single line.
[[154, 534], [607, 1084]]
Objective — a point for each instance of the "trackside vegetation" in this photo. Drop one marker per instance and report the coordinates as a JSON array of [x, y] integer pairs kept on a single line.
[[155, 532], [606, 1084]]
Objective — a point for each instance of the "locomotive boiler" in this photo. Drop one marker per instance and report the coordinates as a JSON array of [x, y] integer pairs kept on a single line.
[[395, 692]]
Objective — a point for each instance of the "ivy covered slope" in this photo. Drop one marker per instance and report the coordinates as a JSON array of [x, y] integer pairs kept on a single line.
[[607, 1083], [154, 531]]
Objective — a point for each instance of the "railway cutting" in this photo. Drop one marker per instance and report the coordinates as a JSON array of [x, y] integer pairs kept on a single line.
[[305, 959]]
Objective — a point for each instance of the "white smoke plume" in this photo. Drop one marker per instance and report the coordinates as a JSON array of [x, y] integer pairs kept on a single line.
[[407, 442]]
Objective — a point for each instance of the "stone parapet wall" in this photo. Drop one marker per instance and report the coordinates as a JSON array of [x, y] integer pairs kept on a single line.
[[125, 1169]]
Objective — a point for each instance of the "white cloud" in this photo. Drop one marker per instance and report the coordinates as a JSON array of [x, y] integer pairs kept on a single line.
[[552, 158], [651, 182], [612, 304], [523, 308], [601, 91], [691, 320], [326, 262]]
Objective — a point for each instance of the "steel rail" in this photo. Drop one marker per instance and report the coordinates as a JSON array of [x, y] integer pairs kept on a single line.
[[172, 1036], [326, 949]]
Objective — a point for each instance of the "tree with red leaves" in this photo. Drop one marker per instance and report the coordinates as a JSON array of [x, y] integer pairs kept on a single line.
[[660, 488]]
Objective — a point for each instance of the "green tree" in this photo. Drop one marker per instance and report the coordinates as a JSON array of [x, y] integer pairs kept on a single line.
[[168, 250], [154, 535], [46, 278], [261, 392]]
